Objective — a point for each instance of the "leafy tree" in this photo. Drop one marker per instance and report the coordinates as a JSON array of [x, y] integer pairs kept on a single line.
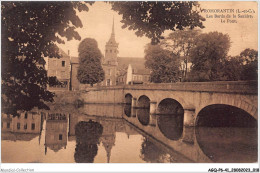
[[208, 55], [232, 70], [90, 70], [250, 62], [164, 65], [29, 31], [243, 67], [249, 56], [180, 42], [153, 18]]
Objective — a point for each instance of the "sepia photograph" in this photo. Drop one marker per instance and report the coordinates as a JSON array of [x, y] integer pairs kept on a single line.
[[129, 82]]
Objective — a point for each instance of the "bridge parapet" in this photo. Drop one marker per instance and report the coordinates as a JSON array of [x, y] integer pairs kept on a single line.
[[242, 87]]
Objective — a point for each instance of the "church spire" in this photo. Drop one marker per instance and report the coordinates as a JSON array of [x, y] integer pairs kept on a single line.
[[113, 29], [112, 39]]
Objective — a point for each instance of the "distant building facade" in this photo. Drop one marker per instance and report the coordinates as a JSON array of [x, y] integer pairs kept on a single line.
[[60, 68], [134, 73]]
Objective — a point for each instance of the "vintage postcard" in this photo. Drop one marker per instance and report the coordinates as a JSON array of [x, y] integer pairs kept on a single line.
[[129, 82]]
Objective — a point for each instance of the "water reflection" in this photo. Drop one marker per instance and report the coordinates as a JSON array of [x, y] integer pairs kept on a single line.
[[87, 138], [228, 145], [34, 137], [171, 125], [170, 118], [154, 154], [227, 134], [56, 132], [143, 115], [127, 110], [24, 127]]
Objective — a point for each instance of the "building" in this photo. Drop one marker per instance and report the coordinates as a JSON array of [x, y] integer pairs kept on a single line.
[[118, 70], [110, 61], [59, 68], [132, 71], [6, 122]]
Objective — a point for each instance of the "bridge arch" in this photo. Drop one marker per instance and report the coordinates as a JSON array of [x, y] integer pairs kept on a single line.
[[170, 118], [143, 110], [128, 98], [128, 104], [224, 115], [143, 101], [244, 103], [175, 97]]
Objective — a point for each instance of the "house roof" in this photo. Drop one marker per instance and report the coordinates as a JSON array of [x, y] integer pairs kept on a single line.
[[136, 63], [62, 53]]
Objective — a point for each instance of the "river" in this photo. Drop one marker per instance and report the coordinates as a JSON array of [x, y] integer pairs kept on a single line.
[[99, 134]]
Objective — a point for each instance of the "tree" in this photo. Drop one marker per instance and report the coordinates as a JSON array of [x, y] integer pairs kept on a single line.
[[208, 55], [153, 18], [164, 65], [249, 56], [250, 64], [180, 42], [90, 70], [29, 31], [232, 69]]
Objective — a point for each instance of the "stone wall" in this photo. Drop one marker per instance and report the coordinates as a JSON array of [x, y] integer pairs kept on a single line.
[[113, 95], [67, 97]]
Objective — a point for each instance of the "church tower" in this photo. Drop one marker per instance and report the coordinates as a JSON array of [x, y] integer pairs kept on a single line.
[[110, 60]]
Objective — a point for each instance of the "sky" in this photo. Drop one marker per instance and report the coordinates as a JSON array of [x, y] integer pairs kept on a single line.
[[97, 24]]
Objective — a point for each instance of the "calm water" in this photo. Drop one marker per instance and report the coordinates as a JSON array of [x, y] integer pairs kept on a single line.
[[69, 135]]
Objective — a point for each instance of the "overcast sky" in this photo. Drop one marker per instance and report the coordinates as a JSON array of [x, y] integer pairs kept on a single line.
[[97, 24]]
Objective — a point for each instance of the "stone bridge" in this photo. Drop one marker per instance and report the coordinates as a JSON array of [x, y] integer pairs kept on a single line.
[[186, 101], [192, 96]]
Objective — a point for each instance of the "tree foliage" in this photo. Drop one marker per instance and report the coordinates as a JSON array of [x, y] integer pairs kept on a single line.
[[232, 69], [180, 43], [29, 31], [208, 55], [249, 55], [90, 70], [165, 66], [250, 64], [152, 18]]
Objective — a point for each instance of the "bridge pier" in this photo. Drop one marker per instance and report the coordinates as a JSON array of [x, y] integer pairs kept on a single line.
[[133, 107], [188, 134], [153, 120], [189, 117]]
